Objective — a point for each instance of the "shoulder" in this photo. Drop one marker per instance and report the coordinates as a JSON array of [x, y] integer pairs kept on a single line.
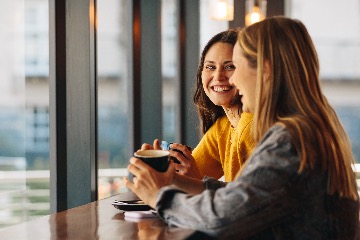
[[215, 132], [274, 163], [244, 125], [277, 133], [222, 121], [276, 151], [222, 124], [276, 140], [246, 118]]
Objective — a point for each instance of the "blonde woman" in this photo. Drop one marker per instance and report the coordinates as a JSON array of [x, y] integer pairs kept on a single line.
[[299, 182]]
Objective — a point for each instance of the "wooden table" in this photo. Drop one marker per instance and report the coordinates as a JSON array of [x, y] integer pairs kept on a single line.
[[96, 220]]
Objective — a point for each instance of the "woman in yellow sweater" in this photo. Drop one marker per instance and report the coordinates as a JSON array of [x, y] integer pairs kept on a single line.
[[226, 140]]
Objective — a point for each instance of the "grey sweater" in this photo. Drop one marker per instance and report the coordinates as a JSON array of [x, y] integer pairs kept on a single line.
[[269, 200]]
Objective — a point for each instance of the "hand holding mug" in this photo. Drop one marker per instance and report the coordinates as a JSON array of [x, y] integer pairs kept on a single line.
[[157, 159], [148, 181]]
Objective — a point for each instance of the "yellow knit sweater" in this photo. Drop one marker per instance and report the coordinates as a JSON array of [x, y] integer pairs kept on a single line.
[[223, 149]]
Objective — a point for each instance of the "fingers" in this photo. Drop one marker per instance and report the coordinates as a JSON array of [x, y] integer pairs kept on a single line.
[[184, 165], [178, 158], [133, 169], [135, 187], [148, 181], [156, 144], [184, 159], [182, 162], [146, 146], [136, 166], [128, 183], [183, 148], [167, 179], [181, 169], [171, 167]]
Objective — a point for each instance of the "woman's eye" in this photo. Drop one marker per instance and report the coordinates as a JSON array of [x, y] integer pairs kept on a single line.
[[210, 67], [231, 67]]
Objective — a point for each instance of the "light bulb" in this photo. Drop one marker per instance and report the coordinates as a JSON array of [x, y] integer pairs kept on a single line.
[[255, 11], [221, 10], [255, 15]]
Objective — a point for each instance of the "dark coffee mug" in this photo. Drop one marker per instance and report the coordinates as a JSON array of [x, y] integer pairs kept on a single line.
[[157, 159]]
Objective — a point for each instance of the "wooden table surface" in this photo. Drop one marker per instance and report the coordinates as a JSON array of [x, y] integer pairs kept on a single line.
[[96, 220]]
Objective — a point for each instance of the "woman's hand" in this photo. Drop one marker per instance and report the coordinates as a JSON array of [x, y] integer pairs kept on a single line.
[[187, 165], [147, 181], [156, 145]]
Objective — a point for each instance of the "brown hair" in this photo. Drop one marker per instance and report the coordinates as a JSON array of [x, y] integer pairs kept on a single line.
[[292, 96], [209, 112]]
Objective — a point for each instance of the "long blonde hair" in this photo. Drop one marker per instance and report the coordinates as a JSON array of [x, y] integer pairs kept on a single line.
[[292, 96]]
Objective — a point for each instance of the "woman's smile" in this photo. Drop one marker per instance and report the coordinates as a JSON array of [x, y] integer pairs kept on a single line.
[[217, 70], [222, 88]]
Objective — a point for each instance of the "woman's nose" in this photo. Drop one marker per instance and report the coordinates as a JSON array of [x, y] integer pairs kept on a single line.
[[219, 75]]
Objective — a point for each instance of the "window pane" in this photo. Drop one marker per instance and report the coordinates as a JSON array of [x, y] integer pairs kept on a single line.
[[24, 111], [336, 35], [169, 67], [170, 58], [112, 59]]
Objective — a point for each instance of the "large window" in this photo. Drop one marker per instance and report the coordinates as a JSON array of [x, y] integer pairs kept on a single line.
[[113, 54], [24, 111], [24, 88], [169, 68], [336, 34]]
